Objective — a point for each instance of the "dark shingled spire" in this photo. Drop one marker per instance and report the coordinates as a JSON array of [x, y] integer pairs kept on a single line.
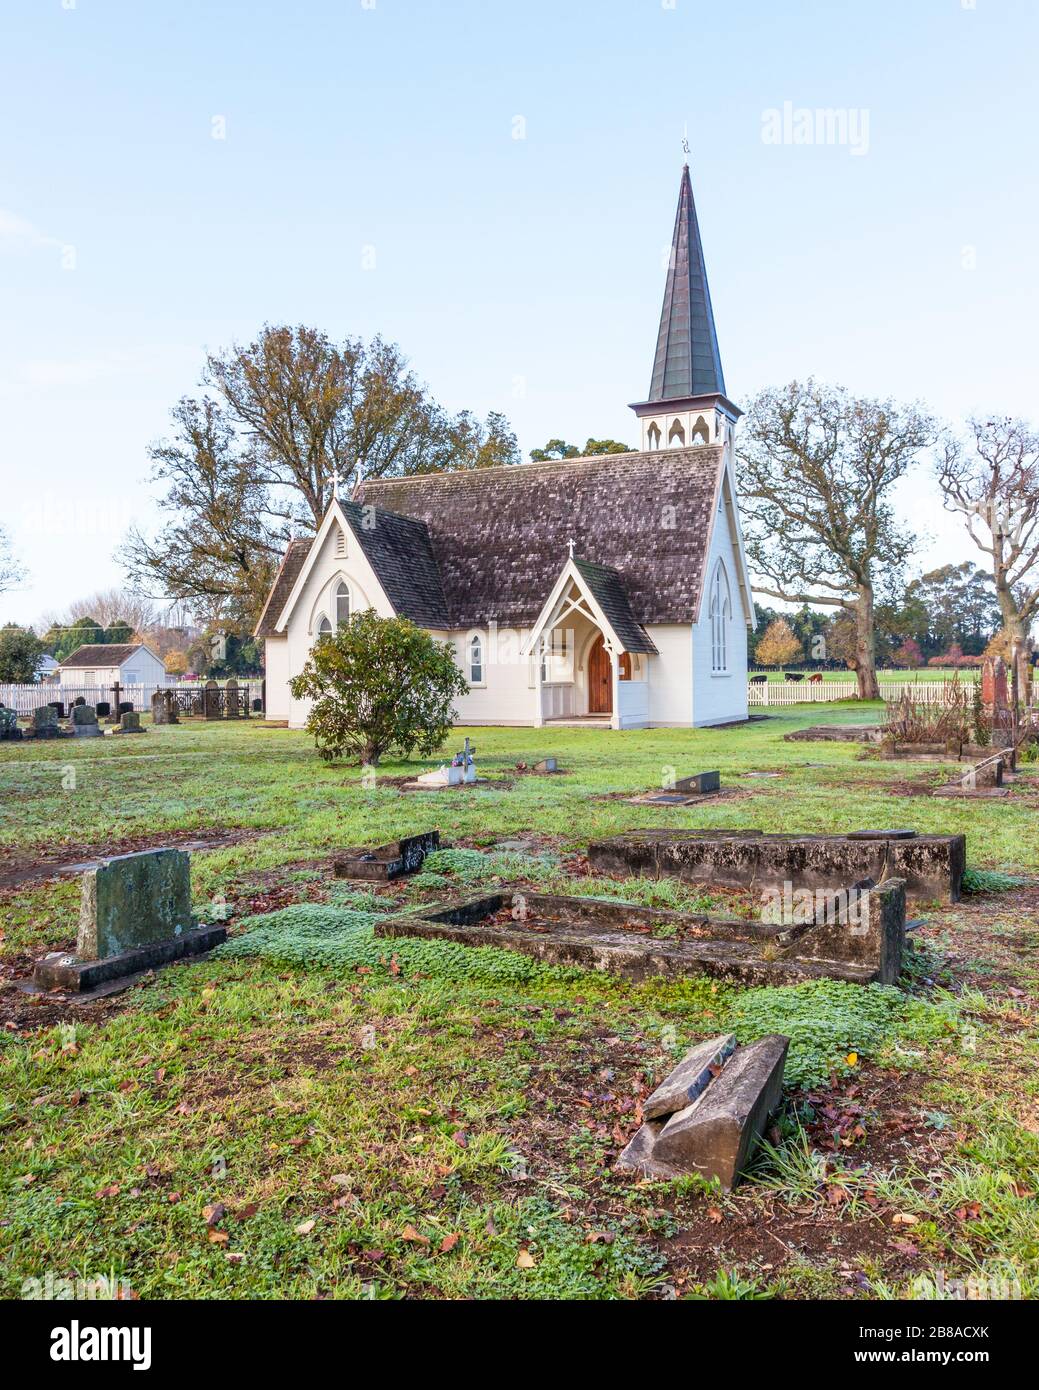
[[688, 362]]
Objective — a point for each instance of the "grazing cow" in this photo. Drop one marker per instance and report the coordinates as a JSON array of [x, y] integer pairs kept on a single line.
[[758, 680], [816, 678], [793, 675]]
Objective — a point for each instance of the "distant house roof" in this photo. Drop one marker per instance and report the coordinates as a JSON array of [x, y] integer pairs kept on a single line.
[[105, 654], [500, 535], [46, 664]]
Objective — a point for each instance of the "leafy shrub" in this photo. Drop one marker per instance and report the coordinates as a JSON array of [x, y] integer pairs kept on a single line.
[[826, 1020], [379, 684]]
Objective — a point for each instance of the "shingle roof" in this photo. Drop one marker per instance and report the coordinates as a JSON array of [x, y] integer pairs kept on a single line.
[[104, 653], [608, 590], [499, 535], [399, 550], [293, 561], [687, 361]]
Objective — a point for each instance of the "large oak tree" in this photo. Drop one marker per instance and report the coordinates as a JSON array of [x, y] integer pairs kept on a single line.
[[818, 470], [252, 460], [994, 482]]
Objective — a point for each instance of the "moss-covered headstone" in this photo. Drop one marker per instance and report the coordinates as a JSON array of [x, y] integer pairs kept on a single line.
[[134, 900]]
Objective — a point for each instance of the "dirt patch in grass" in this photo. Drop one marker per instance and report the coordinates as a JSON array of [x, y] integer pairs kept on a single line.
[[75, 858]]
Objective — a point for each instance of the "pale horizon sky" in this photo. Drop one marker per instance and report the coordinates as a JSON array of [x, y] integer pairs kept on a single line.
[[518, 274]]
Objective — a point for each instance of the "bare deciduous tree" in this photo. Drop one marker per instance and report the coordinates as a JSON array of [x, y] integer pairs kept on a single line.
[[10, 570], [253, 461], [994, 483], [818, 467]]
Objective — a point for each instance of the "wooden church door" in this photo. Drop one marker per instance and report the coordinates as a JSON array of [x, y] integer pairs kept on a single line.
[[600, 679]]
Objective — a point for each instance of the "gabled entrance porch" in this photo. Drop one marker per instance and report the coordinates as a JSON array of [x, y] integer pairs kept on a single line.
[[591, 657]]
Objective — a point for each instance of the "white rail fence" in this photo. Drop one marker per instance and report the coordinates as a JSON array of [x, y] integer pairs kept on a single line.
[[24, 699], [822, 692]]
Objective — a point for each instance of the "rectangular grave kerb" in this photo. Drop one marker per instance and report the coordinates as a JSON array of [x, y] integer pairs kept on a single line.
[[638, 942], [931, 866]]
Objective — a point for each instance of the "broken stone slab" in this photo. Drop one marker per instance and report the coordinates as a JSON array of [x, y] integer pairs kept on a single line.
[[60, 970], [690, 1077], [546, 765], [863, 925], [931, 865], [386, 862], [698, 784], [715, 1136]]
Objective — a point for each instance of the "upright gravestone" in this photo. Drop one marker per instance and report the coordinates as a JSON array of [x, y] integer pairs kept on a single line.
[[9, 724], [160, 708], [211, 700], [84, 722], [45, 722], [130, 723], [231, 692], [135, 913]]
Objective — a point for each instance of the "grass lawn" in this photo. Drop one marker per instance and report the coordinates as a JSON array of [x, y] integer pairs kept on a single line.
[[307, 1113]]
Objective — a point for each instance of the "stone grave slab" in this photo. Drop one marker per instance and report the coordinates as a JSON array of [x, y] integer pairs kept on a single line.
[[135, 913], [638, 943], [386, 862], [715, 1135], [699, 783], [931, 865]]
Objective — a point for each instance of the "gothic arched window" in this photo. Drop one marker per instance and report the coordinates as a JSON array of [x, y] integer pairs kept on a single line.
[[324, 627], [676, 432], [476, 661], [342, 604], [653, 436], [720, 612]]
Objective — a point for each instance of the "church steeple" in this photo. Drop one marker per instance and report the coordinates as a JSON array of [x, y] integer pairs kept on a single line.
[[687, 402], [687, 361]]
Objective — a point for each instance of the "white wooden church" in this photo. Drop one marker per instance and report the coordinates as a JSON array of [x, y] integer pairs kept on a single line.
[[608, 590]]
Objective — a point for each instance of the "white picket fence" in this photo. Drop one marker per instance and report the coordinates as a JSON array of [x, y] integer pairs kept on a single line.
[[26, 698], [804, 693]]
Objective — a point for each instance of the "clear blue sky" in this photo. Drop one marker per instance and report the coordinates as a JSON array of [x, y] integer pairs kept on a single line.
[[523, 275]]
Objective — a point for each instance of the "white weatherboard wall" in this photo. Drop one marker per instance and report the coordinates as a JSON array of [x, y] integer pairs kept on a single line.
[[671, 675], [720, 698], [317, 597]]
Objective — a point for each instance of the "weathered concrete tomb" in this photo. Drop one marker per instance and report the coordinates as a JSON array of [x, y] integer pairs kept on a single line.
[[709, 1114], [836, 733], [857, 936], [386, 862], [135, 914], [931, 865]]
